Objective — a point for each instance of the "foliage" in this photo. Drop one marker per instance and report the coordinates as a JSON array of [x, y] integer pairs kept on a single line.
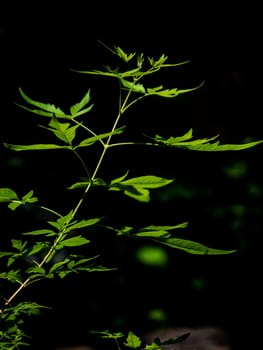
[[35, 256]]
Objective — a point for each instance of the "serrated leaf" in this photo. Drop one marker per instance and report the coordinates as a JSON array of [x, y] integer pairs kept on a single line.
[[132, 341], [215, 147], [80, 105], [123, 55], [132, 86], [170, 93], [44, 106], [203, 144], [63, 131]]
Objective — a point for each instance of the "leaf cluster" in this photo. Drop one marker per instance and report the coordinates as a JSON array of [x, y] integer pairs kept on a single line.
[[37, 254]]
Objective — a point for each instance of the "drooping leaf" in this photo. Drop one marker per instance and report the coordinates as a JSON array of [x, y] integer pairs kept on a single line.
[[192, 247], [35, 147]]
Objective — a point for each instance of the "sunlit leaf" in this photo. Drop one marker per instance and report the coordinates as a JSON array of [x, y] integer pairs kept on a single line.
[[91, 140], [132, 341], [147, 181], [7, 195], [44, 106]]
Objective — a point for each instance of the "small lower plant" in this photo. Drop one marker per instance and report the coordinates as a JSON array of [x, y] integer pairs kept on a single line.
[[35, 255]]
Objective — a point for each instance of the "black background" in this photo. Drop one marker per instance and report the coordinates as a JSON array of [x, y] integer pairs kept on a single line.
[[39, 46]]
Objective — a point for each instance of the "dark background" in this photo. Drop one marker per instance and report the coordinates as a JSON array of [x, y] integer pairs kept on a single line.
[[219, 194]]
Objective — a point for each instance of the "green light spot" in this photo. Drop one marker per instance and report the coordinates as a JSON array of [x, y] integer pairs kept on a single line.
[[157, 315], [152, 256]]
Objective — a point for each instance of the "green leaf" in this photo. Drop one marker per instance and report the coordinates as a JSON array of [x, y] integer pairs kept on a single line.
[[63, 131], [36, 270], [44, 106], [58, 265], [119, 179], [85, 223], [89, 141], [148, 181], [133, 341], [4, 254], [176, 339], [38, 247], [139, 193], [214, 147], [35, 147], [74, 242], [76, 108], [38, 232], [95, 182], [159, 231], [28, 198], [132, 86], [137, 187], [202, 144], [123, 55], [18, 244], [170, 93], [13, 276], [7, 195], [192, 247]]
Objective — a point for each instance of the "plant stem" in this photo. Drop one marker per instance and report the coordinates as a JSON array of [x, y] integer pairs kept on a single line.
[[106, 145]]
